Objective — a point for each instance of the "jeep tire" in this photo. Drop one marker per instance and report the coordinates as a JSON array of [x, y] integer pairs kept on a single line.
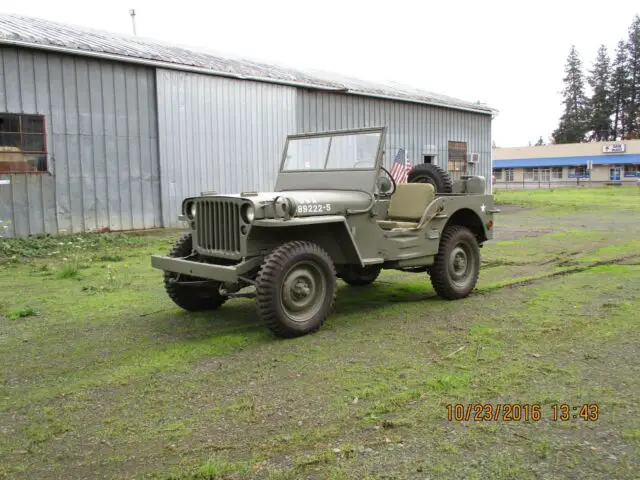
[[433, 174], [193, 298], [456, 267], [359, 276], [295, 289]]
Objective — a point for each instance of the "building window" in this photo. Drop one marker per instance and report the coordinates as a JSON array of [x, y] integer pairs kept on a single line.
[[23, 144], [556, 173], [497, 172], [529, 174], [544, 175], [632, 170], [578, 172], [508, 174], [537, 174], [457, 157]]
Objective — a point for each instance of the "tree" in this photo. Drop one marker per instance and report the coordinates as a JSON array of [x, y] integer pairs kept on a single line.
[[632, 114], [619, 91], [574, 121], [540, 142], [600, 108]]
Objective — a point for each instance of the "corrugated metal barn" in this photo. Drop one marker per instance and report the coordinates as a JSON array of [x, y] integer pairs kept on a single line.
[[100, 131]]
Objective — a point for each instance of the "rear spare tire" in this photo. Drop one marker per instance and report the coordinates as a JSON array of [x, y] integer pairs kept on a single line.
[[295, 289], [429, 173]]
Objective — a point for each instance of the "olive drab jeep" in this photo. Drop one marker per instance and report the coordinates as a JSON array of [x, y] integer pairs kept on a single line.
[[335, 212]]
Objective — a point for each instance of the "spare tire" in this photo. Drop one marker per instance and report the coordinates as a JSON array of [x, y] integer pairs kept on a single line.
[[429, 173]]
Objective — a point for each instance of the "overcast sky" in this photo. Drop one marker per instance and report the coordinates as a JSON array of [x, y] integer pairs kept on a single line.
[[508, 54]]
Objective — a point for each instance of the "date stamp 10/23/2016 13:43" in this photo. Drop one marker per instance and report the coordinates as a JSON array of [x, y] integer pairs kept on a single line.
[[521, 412]]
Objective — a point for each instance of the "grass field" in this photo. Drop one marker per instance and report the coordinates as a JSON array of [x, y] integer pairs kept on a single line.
[[103, 377]]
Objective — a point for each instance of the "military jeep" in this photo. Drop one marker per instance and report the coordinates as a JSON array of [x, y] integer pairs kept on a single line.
[[335, 212]]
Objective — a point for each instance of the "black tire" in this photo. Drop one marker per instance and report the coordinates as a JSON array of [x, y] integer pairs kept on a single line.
[[191, 298], [433, 174], [359, 276], [291, 309], [455, 270]]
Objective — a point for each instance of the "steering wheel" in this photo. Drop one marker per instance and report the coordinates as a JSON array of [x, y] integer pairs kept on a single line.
[[393, 182]]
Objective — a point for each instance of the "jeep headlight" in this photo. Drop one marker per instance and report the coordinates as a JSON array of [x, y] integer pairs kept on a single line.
[[248, 213], [190, 210]]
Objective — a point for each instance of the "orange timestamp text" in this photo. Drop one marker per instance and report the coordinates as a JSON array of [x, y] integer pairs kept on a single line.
[[517, 412]]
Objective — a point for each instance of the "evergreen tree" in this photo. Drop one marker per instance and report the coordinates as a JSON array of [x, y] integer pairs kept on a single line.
[[600, 108], [574, 121], [632, 114], [619, 91]]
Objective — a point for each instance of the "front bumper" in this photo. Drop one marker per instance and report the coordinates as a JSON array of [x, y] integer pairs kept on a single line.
[[220, 273]]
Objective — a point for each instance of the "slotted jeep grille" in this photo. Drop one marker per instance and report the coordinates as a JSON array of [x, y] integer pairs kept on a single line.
[[218, 226]]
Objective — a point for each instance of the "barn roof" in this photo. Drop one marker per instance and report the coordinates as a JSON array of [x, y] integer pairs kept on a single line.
[[37, 33]]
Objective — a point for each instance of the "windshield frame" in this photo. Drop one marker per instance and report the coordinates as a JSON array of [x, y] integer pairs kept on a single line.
[[362, 179], [330, 135]]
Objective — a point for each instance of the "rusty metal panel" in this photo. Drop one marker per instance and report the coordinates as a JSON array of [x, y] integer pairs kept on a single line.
[[100, 120]]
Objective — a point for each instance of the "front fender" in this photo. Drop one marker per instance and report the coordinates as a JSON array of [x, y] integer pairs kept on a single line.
[[331, 232]]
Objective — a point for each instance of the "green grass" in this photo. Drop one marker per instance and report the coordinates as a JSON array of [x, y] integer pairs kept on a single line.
[[21, 313], [68, 270], [582, 198], [105, 377]]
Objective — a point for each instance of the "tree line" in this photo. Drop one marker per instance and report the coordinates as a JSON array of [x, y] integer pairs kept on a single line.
[[612, 111]]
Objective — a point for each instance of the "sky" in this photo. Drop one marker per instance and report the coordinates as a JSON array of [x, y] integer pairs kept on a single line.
[[507, 54]]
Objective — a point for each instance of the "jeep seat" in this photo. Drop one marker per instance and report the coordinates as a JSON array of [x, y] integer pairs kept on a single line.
[[407, 205]]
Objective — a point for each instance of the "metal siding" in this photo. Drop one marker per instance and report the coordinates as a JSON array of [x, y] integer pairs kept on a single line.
[[90, 126], [409, 125], [218, 134]]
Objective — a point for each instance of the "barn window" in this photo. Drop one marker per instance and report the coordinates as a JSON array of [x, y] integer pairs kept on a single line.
[[23, 144], [556, 173], [497, 172], [457, 157]]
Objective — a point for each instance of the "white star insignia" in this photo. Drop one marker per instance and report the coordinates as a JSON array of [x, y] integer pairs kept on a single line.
[[483, 207]]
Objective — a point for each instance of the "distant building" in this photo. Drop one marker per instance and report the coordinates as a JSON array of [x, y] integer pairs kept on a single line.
[[597, 163], [102, 131]]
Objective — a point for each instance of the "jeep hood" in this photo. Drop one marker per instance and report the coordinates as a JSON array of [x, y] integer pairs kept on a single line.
[[306, 202]]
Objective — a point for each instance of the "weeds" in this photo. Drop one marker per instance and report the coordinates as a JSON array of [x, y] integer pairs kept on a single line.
[[218, 469], [49, 246], [113, 282], [68, 270], [21, 313], [109, 258]]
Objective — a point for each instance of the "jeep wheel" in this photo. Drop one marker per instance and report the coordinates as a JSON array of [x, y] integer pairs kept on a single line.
[[359, 276], [433, 174], [295, 289], [455, 270], [194, 298]]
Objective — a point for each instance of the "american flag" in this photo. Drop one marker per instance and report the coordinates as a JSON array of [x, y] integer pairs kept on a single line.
[[401, 166]]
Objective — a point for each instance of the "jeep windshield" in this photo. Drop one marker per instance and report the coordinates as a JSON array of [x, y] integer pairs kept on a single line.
[[351, 151]]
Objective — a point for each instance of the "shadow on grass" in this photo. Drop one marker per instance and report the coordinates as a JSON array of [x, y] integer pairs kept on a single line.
[[239, 316]]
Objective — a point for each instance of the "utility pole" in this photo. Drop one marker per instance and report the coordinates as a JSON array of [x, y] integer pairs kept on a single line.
[[132, 12]]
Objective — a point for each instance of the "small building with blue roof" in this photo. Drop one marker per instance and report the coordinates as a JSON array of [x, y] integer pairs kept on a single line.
[[598, 163]]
